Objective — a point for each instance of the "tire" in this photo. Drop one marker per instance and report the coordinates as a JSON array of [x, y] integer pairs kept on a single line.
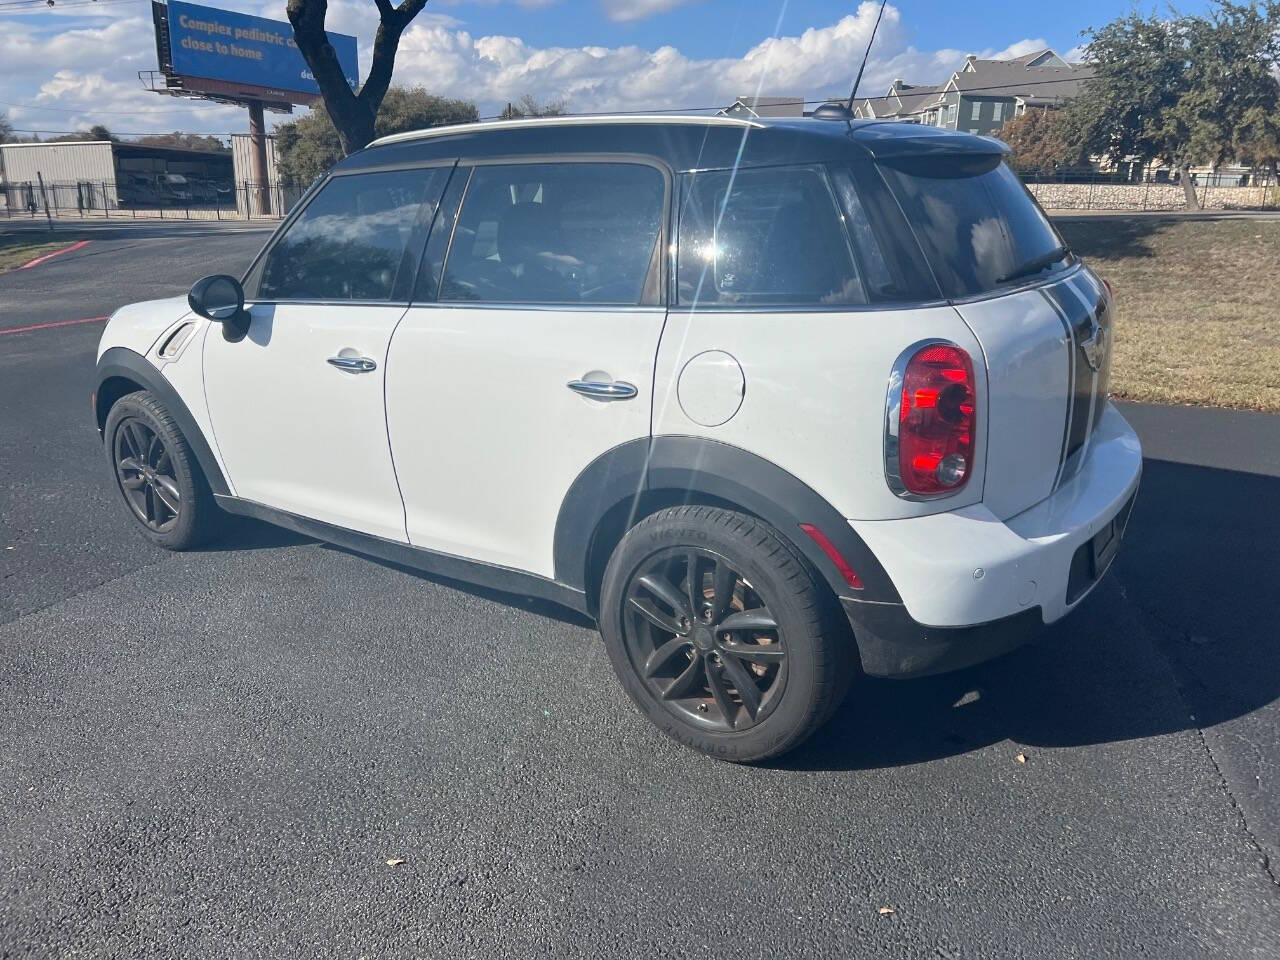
[[668, 659], [154, 470]]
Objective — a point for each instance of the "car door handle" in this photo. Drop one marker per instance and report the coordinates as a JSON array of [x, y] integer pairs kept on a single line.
[[354, 364], [603, 389]]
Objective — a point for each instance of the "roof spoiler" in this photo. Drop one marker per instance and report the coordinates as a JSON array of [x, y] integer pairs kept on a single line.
[[887, 140]]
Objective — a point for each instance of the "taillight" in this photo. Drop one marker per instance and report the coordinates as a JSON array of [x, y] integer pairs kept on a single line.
[[932, 417]]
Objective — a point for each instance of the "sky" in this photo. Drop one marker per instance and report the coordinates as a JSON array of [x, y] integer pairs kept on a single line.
[[76, 64]]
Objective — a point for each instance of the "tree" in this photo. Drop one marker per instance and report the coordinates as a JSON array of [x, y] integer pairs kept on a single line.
[[310, 145], [1040, 140], [1140, 73], [1185, 90], [1232, 104], [185, 141], [95, 133], [6, 128], [528, 106], [354, 115]]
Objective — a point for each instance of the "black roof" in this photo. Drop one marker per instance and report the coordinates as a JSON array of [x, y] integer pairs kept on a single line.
[[684, 143]]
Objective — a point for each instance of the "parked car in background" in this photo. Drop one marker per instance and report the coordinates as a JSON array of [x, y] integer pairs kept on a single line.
[[775, 402]]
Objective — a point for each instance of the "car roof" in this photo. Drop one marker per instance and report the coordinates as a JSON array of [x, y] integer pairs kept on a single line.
[[682, 142]]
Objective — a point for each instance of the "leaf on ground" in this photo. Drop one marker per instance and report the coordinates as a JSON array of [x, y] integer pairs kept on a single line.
[[1021, 758], [885, 911], [395, 862]]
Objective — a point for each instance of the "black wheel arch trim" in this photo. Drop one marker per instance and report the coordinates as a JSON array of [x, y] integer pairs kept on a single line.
[[697, 467], [126, 364]]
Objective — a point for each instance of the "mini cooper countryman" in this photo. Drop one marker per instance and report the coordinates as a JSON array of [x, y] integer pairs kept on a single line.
[[776, 403]]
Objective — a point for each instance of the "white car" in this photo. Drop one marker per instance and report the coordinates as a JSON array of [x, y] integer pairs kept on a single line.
[[775, 402]]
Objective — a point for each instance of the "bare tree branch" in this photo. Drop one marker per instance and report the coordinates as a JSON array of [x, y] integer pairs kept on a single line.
[[353, 114]]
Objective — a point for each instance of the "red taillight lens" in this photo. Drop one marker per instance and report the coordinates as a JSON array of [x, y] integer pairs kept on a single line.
[[936, 418]]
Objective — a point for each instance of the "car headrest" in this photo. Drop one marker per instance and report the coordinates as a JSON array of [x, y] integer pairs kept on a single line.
[[526, 230]]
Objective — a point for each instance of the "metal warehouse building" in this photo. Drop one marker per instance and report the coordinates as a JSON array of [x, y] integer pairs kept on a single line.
[[98, 174]]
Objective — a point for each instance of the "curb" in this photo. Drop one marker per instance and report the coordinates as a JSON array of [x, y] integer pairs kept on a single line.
[[56, 253]]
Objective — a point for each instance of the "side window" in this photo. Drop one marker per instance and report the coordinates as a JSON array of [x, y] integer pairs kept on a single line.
[[764, 236], [349, 242], [557, 233]]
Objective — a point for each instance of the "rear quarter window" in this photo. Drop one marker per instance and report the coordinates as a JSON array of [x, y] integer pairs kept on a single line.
[[973, 218]]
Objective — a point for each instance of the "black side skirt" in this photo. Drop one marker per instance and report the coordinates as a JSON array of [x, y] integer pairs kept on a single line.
[[447, 565]]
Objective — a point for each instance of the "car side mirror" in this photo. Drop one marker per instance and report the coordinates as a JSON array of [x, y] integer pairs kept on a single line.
[[221, 298]]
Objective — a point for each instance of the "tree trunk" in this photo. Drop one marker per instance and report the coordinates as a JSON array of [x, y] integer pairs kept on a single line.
[[353, 114], [1188, 188]]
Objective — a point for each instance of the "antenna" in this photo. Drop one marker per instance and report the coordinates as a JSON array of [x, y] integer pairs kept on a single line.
[[858, 81]]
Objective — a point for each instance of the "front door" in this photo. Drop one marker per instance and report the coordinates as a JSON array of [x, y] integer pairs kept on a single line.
[[297, 405], [535, 358]]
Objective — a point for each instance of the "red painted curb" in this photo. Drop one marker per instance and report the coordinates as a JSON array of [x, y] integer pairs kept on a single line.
[[52, 323], [56, 253]]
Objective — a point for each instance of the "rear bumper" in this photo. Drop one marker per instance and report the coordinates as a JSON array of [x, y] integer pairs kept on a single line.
[[974, 586]]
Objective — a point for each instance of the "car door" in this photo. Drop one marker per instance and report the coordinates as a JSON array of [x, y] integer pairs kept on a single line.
[[297, 404], [529, 353]]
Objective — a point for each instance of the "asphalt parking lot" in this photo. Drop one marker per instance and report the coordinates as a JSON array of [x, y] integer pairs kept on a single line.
[[216, 753]]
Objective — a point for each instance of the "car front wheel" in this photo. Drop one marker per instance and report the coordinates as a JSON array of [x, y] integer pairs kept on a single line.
[[157, 474], [719, 631]]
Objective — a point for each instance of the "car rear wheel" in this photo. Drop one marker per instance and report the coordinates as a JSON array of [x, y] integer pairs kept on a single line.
[[157, 474], [721, 634]]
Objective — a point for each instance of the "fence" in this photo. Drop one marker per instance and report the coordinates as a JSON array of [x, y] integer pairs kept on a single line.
[[222, 200], [186, 199], [1095, 190]]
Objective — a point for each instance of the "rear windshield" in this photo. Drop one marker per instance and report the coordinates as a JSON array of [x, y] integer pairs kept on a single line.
[[977, 224]]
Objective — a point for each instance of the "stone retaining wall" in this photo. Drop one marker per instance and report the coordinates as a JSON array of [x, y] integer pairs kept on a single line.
[[1149, 196]]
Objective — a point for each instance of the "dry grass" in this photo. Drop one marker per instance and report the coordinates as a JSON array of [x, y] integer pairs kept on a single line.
[[1198, 307], [19, 248]]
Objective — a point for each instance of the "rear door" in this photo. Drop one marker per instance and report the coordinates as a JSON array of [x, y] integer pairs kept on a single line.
[[532, 356], [995, 254]]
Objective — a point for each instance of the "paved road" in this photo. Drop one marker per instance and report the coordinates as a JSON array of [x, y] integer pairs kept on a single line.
[[216, 753]]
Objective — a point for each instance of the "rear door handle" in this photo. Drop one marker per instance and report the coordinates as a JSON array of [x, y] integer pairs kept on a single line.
[[603, 390], [354, 364]]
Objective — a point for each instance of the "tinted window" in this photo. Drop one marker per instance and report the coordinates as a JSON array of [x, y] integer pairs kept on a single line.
[[764, 236], [557, 233], [349, 242], [974, 219]]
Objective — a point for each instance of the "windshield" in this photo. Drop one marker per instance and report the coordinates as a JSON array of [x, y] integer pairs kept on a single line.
[[975, 221]]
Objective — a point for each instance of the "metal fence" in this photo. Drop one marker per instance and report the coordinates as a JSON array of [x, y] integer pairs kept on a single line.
[[1063, 189], [150, 199], [1088, 189]]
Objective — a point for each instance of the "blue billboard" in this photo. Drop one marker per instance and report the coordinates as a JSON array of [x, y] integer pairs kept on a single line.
[[237, 48]]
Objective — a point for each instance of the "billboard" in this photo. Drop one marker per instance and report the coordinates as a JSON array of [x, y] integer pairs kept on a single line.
[[235, 49]]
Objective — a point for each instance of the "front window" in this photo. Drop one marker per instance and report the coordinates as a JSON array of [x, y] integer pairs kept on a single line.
[[349, 242]]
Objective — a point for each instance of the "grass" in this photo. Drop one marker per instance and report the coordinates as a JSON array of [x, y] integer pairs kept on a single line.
[[1198, 306], [19, 248]]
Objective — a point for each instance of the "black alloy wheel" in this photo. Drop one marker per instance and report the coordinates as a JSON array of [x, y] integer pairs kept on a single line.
[[145, 470], [703, 640]]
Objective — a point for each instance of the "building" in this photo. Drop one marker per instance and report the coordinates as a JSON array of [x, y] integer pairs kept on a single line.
[[108, 174], [983, 94]]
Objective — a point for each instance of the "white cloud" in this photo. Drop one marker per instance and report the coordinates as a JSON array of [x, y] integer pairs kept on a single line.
[[88, 73], [639, 9], [817, 63]]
